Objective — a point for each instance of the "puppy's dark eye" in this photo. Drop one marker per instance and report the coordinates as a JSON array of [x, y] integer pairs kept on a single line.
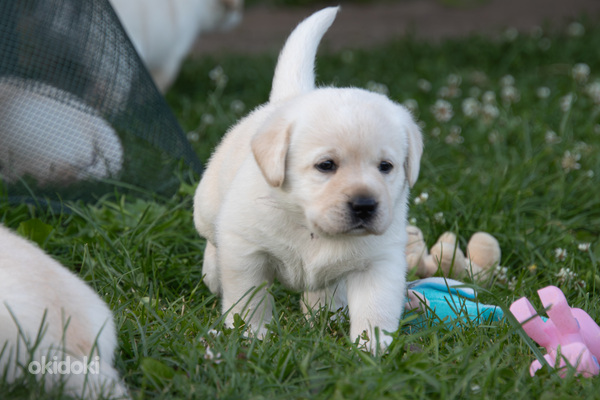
[[385, 167], [326, 166]]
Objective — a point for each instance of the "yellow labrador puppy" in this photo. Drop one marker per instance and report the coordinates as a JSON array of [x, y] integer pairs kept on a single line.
[[51, 136], [52, 325], [311, 188]]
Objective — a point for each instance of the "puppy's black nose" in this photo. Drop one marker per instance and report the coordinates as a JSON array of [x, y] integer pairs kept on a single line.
[[363, 208]]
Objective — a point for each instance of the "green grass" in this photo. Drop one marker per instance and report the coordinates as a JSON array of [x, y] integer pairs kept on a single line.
[[504, 176]]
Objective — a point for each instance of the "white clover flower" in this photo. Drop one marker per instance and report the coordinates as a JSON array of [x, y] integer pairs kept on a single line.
[[581, 147], [501, 273], [564, 272], [493, 137], [217, 74], [442, 111], [210, 356], [560, 254], [454, 136], [512, 284], [443, 92], [454, 92], [511, 34], [507, 80], [454, 80], [565, 275], [453, 89], [584, 246], [575, 29], [208, 119], [348, 56], [474, 92], [377, 88], [552, 138], [411, 105], [489, 97], [489, 112], [454, 139], [593, 90], [439, 217], [568, 276], [570, 162], [566, 102], [543, 92], [413, 221], [589, 173], [237, 106], [424, 85], [193, 136], [471, 107], [436, 132], [581, 72], [544, 44], [537, 32], [510, 95], [422, 198]]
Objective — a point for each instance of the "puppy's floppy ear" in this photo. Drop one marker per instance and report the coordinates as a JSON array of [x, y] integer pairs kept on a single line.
[[414, 152], [269, 147]]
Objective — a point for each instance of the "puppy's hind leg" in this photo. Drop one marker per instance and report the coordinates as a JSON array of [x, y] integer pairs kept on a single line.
[[210, 269]]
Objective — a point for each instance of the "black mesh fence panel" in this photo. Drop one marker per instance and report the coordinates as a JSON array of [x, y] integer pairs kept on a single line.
[[78, 111]]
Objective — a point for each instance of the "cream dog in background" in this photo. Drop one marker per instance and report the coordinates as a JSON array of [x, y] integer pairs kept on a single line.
[[48, 316], [48, 134], [163, 31], [311, 188]]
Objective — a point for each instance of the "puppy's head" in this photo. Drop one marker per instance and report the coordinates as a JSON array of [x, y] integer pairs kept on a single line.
[[345, 157]]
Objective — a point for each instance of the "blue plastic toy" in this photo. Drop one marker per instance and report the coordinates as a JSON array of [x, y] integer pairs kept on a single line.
[[447, 301]]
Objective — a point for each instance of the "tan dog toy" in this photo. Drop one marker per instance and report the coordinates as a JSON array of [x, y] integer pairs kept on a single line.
[[483, 254]]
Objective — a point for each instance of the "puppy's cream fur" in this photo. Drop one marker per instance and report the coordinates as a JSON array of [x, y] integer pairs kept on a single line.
[[77, 323], [48, 134], [163, 31], [270, 206]]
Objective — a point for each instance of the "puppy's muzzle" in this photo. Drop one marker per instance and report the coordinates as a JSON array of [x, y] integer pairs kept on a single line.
[[363, 209]]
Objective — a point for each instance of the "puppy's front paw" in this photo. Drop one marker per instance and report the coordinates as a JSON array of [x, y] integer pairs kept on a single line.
[[250, 330], [260, 333], [375, 341]]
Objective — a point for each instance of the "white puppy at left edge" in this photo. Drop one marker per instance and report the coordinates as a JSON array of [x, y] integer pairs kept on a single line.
[[53, 325], [311, 189]]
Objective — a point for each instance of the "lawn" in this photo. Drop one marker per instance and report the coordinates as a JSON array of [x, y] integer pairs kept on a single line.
[[512, 138]]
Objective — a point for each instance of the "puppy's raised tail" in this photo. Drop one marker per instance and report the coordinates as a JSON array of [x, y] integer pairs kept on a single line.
[[294, 73]]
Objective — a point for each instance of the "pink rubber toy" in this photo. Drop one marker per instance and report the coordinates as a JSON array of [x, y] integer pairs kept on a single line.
[[571, 329]]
